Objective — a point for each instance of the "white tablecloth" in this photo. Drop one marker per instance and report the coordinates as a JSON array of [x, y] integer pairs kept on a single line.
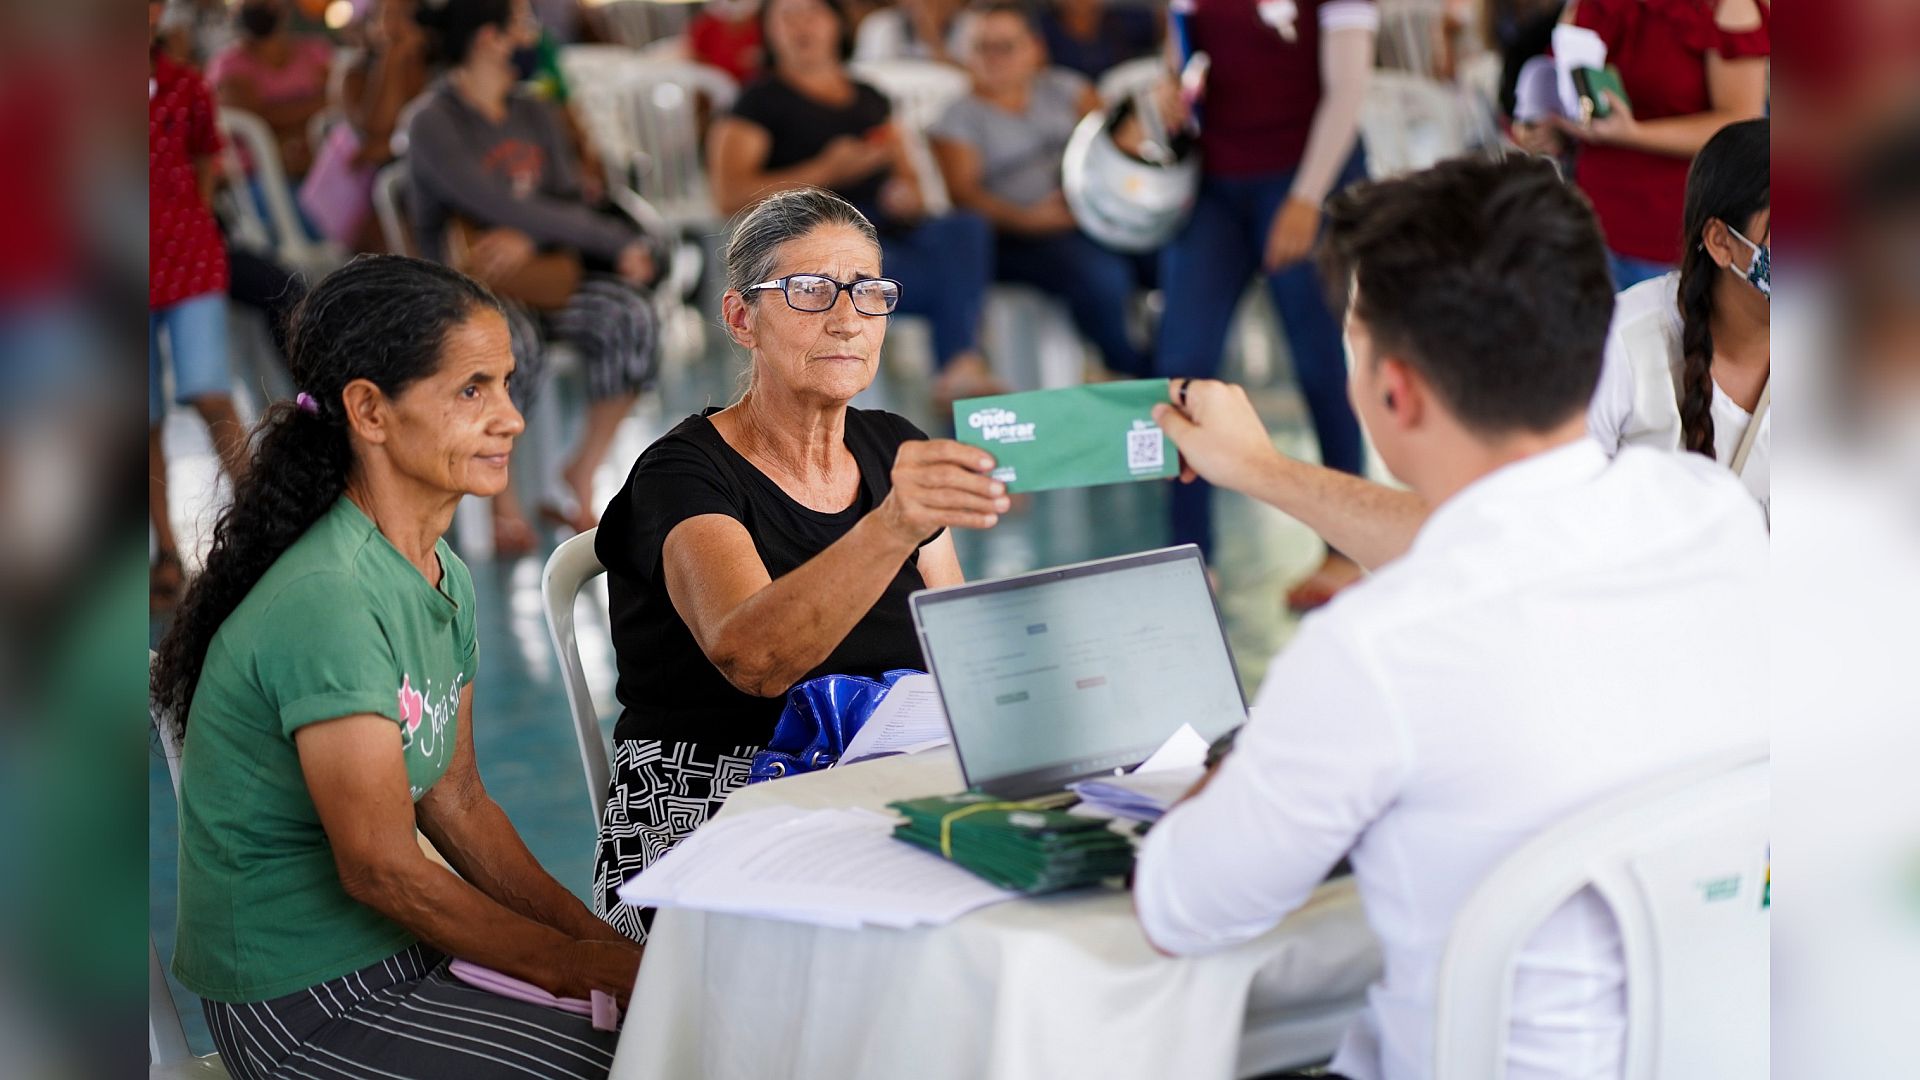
[[1042, 989]]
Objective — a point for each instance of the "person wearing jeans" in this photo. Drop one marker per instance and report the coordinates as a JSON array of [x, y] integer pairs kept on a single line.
[[1000, 148], [186, 288], [1204, 272], [1279, 128]]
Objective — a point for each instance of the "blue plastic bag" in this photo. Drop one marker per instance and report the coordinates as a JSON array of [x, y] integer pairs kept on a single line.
[[821, 718]]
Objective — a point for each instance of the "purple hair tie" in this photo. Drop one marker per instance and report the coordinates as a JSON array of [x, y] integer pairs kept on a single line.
[[306, 404]]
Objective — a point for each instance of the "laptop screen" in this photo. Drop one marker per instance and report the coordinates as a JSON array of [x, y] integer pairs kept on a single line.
[[1062, 674]]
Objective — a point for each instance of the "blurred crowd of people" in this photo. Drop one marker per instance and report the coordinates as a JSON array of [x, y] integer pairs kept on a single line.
[[505, 185]]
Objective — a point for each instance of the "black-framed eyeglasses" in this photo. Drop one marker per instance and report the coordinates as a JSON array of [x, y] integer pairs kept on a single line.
[[817, 292]]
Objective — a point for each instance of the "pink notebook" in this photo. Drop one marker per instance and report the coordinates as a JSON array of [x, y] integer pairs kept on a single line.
[[605, 1014]]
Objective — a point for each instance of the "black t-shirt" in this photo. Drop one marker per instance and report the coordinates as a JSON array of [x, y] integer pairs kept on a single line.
[[802, 127], [669, 689]]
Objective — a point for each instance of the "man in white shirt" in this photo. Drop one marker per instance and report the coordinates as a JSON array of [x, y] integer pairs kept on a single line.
[[1561, 626]]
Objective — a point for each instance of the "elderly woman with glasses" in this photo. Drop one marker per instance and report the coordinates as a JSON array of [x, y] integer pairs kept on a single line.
[[771, 541]]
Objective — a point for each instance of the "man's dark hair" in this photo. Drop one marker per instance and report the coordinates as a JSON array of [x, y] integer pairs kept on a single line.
[[1488, 276]]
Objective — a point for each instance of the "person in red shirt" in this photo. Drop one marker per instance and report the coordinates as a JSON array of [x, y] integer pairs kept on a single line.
[[186, 284], [1690, 68], [726, 35]]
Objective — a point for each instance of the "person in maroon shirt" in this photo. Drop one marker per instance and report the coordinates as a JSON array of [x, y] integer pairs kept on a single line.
[[1279, 132], [1690, 68], [186, 284]]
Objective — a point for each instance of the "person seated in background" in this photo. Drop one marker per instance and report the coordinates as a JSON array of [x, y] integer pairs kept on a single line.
[[1092, 36], [277, 75], [1562, 628], [377, 88], [915, 30], [810, 123], [771, 541], [1000, 149], [321, 674], [500, 191], [726, 35], [1690, 353]]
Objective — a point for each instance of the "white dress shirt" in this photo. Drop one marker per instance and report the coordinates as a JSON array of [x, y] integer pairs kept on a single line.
[[1563, 628], [1637, 402]]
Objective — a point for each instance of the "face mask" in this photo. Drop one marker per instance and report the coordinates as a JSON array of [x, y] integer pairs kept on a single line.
[[526, 62], [259, 20], [1760, 270]]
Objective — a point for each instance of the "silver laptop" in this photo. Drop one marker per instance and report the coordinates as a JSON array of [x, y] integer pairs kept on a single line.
[[1063, 674]]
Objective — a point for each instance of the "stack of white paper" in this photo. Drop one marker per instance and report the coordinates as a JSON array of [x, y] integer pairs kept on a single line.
[[1138, 796], [1149, 790], [827, 867], [908, 719], [1545, 84]]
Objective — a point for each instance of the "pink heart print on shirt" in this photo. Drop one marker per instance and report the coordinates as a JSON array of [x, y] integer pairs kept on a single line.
[[413, 707]]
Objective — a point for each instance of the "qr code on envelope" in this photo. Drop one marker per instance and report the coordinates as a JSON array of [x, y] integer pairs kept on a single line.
[[1146, 450]]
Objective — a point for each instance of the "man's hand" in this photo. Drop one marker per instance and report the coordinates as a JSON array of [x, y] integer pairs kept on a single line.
[[1294, 230], [1221, 438]]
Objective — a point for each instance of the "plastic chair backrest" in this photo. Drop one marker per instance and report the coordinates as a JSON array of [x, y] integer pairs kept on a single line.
[[644, 116], [919, 91], [1682, 863], [572, 565], [167, 1051], [389, 187], [290, 242], [1410, 122]]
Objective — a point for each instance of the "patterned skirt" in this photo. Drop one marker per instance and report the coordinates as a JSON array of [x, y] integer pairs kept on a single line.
[[659, 794]]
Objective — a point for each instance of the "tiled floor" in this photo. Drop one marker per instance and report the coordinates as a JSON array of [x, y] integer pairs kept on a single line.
[[522, 735]]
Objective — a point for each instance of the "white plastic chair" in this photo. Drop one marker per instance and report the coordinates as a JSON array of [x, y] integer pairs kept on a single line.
[[571, 567], [168, 1057], [289, 242], [644, 117], [1410, 122], [919, 91], [1682, 863], [588, 61], [1032, 339], [389, 188]]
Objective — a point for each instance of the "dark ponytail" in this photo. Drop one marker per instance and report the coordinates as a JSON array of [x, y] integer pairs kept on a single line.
[[381, 318], [1729, 182]]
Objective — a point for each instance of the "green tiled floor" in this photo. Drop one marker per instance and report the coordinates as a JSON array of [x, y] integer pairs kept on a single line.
[[522, 735]]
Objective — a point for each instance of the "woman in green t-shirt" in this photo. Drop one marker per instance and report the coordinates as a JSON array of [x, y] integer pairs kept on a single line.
[[321, 668]]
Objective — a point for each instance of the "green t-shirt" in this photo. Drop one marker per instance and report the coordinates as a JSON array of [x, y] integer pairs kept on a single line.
[[341, 624]]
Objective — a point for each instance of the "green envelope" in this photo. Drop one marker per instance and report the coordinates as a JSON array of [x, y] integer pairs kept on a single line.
[[1077, 436]]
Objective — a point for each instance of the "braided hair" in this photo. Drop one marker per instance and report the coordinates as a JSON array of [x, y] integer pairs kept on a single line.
[[381, 318], [1729, 183]]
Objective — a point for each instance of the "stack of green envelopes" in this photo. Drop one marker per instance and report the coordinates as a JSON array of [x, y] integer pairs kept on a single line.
[[1016, 845]]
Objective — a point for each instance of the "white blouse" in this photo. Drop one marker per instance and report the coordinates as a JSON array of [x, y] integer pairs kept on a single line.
[[1637, 402]]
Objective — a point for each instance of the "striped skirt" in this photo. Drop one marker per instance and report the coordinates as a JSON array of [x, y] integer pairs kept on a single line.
[[608, 321], [405, 1016]]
